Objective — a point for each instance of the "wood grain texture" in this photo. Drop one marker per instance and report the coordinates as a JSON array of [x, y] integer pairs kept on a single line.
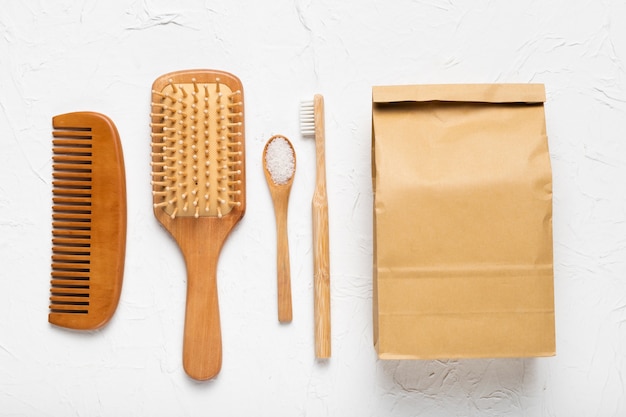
[[321, 249], [200, 241], [199, 192], [280, 198], [88, 220]]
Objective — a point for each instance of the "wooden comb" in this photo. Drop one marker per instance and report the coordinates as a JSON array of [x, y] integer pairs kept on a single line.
[[198, 185], [88, 220]]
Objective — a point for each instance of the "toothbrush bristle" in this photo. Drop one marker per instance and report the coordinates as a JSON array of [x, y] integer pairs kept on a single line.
[[307, 118]]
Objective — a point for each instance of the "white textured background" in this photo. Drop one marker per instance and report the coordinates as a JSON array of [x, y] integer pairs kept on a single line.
[[63, 56]]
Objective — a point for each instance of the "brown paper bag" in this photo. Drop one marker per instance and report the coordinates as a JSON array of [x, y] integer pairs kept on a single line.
[[462, 222]]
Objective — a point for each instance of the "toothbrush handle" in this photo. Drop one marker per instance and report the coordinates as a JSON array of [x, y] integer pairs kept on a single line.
[[321, 256], [321, 276]]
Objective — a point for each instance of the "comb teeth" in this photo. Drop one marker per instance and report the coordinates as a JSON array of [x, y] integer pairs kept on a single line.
[[197, 149], [71, 221]]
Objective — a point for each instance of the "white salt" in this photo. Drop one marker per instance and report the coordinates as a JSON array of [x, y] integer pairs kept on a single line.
[[280, 160]]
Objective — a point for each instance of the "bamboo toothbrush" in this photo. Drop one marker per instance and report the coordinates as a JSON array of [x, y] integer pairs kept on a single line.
[[312, 124], [88, 220], [198, 183]]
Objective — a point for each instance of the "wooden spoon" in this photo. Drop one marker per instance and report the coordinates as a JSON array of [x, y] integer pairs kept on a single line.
[[279, 164]]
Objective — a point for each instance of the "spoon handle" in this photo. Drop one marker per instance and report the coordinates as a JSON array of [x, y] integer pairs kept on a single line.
[[283, 268]]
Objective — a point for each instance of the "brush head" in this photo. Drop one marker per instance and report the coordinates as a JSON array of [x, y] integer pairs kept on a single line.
[[197, 144], [312, 118], [307, 118]]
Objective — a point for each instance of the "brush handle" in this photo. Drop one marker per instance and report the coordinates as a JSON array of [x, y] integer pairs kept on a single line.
[[201, 242], [202, 340], [321, 256]]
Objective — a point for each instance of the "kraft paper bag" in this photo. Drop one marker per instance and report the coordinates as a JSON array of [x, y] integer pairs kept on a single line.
[[462, 183]]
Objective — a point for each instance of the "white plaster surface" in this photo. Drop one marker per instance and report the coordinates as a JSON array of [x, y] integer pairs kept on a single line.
[[62, 56]]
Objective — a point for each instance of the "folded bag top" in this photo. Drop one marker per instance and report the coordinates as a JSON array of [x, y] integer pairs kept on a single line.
[[463, 263]]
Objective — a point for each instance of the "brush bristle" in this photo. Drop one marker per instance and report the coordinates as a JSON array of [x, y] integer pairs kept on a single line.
[[197, 147], [307, 118]]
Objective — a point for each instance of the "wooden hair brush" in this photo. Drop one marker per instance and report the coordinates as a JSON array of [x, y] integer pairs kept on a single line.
[[88, 220], [198, 184]]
